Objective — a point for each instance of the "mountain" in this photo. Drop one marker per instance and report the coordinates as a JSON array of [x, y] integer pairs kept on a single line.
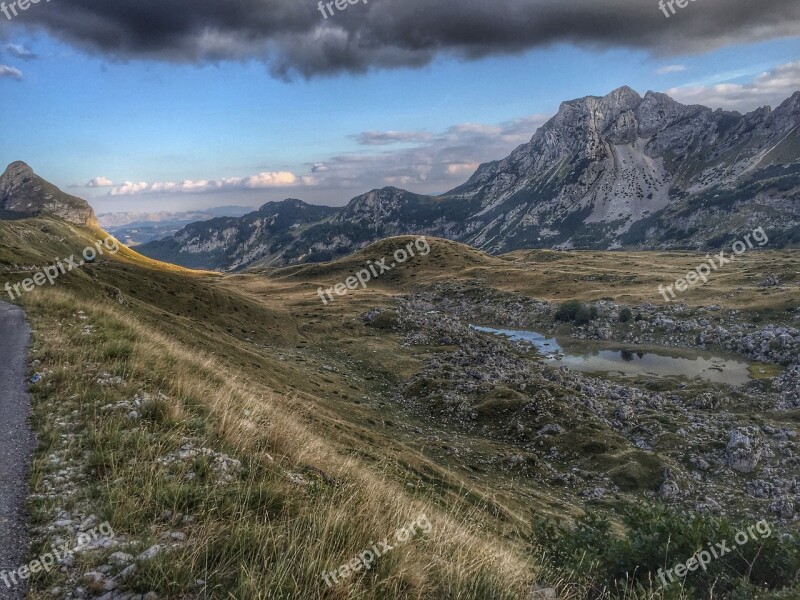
[[232, 243], [623, 170], [23, 193], [618, 171], [135, 228]]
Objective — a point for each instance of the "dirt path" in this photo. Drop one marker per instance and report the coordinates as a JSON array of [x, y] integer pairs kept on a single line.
[[16, 444]]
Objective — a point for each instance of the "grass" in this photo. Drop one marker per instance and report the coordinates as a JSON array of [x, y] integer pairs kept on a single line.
[[764, 371], [261, 535], [253, 366]]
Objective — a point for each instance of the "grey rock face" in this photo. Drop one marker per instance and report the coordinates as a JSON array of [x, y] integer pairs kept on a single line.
[[603, 164], [669, 489], [22, 192]]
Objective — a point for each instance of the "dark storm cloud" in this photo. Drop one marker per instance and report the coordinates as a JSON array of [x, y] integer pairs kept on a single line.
[[293, 37]]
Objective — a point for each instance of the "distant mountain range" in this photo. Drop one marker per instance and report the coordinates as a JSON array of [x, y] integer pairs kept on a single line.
[[113, 220], [135, 228], [619, 171]]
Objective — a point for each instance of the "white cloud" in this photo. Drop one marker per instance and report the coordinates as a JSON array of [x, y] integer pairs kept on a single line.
[[258, 181], [770, 88], [265, 180], [11, 72], [100, 182], [21, 52], [462, 168], [671, 69], [129, 189]]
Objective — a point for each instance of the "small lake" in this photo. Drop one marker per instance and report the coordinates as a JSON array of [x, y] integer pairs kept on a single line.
[[631, 362]]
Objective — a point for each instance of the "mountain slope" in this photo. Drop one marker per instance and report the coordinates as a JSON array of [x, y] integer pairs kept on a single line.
[[231, 243], [230, 420], [23, 193], [607, 172], [602, 164]]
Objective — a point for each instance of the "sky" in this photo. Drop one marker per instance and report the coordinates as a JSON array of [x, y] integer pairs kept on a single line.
[[188, 104]]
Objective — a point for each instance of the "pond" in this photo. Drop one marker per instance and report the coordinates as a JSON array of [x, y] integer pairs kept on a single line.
[[632, 363]]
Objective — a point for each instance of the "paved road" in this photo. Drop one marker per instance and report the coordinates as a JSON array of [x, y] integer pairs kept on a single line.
[[16, 443]]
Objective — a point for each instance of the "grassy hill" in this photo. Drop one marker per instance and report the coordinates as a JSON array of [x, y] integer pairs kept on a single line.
[[321, 478], [252, 432]]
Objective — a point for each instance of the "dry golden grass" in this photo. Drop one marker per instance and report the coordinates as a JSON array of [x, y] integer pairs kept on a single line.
[[262, 536], [255, 366]]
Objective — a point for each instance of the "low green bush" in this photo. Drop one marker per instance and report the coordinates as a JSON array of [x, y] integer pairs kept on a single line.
[[657, 539]]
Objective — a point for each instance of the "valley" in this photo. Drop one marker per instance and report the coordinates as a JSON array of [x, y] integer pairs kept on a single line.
[[412, 300], [203, 395]]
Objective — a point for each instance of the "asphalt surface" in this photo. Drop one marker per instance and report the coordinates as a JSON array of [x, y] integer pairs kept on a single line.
[[16, 444]]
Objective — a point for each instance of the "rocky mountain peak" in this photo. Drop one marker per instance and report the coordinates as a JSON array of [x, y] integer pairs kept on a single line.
[[17, 169], [789, 109], [610, 106], [623, 96], [15, 176], [24, 193]]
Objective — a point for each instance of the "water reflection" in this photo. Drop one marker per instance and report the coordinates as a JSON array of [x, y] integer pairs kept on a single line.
[[630, 363]]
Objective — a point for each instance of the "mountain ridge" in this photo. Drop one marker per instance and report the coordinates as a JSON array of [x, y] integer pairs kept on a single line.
[[605, 172]]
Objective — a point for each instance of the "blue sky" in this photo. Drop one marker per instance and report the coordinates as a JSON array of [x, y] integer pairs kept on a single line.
[[75, 116]]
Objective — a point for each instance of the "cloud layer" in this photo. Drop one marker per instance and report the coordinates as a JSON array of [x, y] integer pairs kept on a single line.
[[770, 88], [21, 52], [282, 179], [435, 163], [293, 37], [427, 162]]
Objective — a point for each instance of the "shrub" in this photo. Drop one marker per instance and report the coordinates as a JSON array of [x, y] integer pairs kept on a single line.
[[659, 537], [575, 312], [625, 315]]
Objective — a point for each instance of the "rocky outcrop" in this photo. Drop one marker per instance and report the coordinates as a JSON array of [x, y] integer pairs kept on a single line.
[[23, 193], [744, 449]]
